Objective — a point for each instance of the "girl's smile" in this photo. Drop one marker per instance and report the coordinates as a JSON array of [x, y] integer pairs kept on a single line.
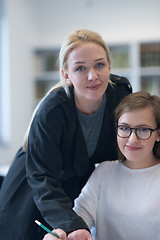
[[132, 148]]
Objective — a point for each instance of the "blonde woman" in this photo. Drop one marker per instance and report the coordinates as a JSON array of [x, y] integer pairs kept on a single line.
[[67, 136]]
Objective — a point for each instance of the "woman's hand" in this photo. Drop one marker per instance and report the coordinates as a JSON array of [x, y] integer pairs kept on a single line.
[[59, 232], [81, 234]]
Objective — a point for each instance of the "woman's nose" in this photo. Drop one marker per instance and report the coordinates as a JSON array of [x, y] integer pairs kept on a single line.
[[92, 75]]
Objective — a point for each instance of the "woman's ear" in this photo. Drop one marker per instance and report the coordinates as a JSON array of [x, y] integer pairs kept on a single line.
[[109, 65], [66, 76]]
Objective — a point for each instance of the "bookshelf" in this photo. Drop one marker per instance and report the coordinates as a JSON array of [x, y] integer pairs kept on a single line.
[[45, 71], [150, 67], [150, 54], [120, 55], [139, 62]]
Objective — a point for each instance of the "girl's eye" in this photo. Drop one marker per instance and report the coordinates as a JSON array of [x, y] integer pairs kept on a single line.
[[80, 68], [143, 130], [124, 128]]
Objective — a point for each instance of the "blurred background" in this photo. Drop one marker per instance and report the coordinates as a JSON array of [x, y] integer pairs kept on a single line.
[[31, 32]]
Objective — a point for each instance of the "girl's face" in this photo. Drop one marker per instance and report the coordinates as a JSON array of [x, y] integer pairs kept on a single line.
[[88, 71], [138, 153]]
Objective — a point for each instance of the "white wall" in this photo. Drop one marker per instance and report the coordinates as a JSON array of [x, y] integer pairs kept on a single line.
[[116, 20], [35, 23], [21, 34]]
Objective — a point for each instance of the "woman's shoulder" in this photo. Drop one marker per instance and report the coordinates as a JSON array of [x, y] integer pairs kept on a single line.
[[117, 90], [55, 100], [119, 81], [55, 97]]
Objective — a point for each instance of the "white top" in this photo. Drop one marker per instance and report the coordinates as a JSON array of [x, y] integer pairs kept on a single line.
[[123, 203]]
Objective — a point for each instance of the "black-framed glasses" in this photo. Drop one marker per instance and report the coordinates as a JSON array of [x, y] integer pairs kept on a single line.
[[142, 133]]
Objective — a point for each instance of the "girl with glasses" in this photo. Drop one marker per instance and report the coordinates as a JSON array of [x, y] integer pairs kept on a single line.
[[121, 199]]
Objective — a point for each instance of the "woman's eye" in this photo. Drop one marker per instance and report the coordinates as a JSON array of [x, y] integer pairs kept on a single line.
[[80, 68], [99, 65]]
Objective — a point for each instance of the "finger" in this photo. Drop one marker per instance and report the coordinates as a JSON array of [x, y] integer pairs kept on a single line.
[[81, 234], [49, 236], [60, 233]]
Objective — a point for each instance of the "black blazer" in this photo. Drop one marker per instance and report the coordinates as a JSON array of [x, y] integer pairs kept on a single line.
[[43, 182]]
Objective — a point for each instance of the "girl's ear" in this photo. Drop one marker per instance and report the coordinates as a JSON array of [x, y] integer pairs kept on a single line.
[[66, 76], [158, 137]]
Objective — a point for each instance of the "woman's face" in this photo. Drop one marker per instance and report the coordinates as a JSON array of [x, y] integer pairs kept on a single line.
[[138, 153], [88, 71]]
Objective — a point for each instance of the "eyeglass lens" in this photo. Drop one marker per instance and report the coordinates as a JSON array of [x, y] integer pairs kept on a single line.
[[142, 133]]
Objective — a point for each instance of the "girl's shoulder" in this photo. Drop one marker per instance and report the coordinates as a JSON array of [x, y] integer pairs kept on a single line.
[[107, 166]]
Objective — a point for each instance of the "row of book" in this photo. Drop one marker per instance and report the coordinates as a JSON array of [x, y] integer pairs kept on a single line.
[[46, 61], [151, 84], [150, 55]]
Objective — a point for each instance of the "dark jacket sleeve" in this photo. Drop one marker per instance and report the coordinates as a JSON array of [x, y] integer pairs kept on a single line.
[[121, 88], [44, 164]]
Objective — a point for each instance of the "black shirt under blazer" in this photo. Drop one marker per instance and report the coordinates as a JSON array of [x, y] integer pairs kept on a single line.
[[43, 182]]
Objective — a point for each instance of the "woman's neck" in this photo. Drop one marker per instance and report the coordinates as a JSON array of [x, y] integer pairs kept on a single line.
[[89, 106]]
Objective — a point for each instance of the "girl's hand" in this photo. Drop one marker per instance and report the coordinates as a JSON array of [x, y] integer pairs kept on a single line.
[[59, 232], [81, 234]]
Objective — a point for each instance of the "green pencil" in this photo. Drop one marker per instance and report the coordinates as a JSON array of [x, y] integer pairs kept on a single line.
[[45, 228]]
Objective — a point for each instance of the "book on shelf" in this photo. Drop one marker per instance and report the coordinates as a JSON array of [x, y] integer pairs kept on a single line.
[[151, 84], [46, 61], [42, 87], [50, 62], [150, 54], [120, 56]]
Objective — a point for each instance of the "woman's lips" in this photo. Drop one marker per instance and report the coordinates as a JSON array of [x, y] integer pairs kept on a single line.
[[94, 87], [132, 148]]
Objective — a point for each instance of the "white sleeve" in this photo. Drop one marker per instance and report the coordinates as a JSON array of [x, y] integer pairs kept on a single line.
[[86, 204]]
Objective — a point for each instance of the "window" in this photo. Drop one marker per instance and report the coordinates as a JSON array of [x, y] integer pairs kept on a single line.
[[4, 79]]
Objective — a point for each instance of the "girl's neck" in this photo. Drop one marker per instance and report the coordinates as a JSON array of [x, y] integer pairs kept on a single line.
[[141, 164]]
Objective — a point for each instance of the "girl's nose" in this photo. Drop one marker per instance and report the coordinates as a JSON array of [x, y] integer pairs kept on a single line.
[[92, 75], [133, 137]]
